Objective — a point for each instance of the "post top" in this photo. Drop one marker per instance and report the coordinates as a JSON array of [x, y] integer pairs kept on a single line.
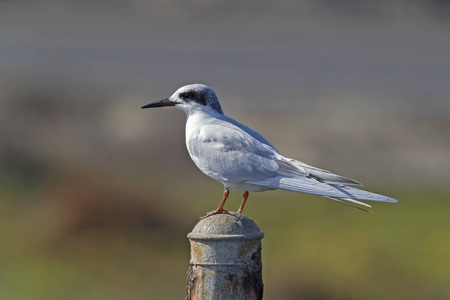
[[231, 225]]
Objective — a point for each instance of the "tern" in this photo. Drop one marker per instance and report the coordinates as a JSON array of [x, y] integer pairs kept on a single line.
[[242, 159]]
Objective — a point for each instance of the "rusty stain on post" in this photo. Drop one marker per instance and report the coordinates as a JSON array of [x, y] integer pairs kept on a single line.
[[225, 259]]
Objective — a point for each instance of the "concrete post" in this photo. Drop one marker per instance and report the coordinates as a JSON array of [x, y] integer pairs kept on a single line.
[[225, 259]]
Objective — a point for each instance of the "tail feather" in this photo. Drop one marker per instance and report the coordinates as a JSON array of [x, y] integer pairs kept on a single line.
[[354, 193], [311, 186], [356, 202], [323, 175], [349, 204]]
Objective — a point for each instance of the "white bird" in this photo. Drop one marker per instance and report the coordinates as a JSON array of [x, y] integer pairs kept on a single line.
[[242, 159]]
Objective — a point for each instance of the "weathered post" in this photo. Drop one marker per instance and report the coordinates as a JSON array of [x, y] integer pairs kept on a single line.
[[225, 259]]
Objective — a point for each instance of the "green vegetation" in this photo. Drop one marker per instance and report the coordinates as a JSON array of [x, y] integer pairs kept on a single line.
[[314, 248]]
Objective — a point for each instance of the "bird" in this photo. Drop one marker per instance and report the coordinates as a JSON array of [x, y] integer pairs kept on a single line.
[[242, 159]]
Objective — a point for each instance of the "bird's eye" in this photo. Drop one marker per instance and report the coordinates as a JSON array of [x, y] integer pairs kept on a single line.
[[187, 95]]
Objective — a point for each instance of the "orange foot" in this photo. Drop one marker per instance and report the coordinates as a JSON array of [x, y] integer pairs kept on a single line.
[[214, 212]]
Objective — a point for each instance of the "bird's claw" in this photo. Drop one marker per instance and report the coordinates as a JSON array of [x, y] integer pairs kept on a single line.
[[214, 212]]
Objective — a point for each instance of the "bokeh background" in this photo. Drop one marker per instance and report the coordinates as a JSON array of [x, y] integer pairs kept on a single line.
[[97, 196]]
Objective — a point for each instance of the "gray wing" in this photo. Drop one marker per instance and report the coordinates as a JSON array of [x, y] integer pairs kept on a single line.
[[228, 152], [292, 167], [312, 186], [231, 123], [224, 151], [296, 176]]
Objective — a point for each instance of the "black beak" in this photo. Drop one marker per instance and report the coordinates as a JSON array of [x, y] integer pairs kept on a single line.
[[160, 103]]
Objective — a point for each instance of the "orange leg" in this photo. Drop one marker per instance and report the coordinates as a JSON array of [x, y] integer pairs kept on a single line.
[[244, 199], [220, 209]]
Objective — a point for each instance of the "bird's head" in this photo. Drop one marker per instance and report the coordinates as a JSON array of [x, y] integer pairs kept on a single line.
[[191, 98]]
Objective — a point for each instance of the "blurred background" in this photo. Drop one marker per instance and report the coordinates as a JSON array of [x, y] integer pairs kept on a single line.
[[97, 196]]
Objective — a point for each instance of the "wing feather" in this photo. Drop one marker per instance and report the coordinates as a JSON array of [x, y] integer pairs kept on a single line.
[[312, 186], [349, 204], [222, 152], [231, 152], [322, 175]]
